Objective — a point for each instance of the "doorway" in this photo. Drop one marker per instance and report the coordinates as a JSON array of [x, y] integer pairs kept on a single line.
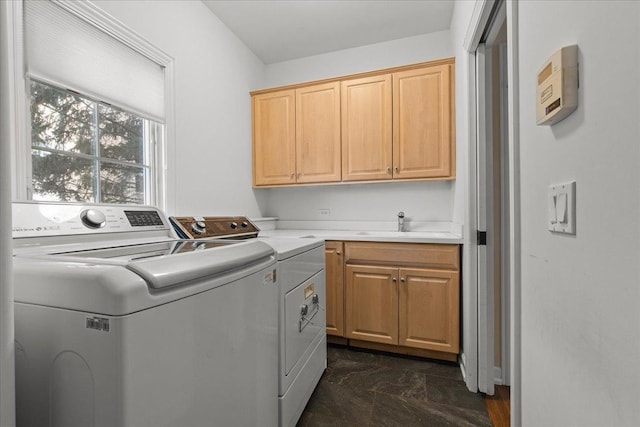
[[491, 44], [492, 202]]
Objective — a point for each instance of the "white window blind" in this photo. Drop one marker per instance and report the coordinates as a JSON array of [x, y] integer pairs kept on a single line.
[[66, 50]]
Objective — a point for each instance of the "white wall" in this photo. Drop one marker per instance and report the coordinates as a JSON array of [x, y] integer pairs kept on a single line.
[[214, 72], [358, 59], [422, 201], [581, 295]]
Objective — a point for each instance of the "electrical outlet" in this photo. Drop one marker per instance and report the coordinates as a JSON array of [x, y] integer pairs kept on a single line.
[[324, 212]]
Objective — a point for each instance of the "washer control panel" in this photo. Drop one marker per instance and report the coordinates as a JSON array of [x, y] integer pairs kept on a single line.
[[214, 227], [32, 219]]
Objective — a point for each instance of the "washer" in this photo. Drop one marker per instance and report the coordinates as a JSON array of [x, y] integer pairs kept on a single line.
[[301, 283], [119, 324]]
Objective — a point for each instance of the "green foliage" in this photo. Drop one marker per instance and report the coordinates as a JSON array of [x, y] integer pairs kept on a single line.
[[75, 142]]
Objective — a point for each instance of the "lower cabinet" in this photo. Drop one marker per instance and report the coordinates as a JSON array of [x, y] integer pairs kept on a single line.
[[334, 270], [404, 297], [372, 303], [429, 309]]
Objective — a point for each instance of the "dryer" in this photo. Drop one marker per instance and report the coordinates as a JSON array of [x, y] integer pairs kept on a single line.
[[302, 323], [301, 317]]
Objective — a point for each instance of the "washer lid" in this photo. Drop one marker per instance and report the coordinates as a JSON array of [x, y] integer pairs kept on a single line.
[[172, 262]]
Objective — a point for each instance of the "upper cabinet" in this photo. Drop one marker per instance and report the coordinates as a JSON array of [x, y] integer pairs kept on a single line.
[[394, 124], [274, 155], [422, 143], [296, 135], [318, 133], [366, 128]]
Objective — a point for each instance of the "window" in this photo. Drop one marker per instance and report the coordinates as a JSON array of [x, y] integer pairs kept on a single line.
[[84, 150], [97, 96]]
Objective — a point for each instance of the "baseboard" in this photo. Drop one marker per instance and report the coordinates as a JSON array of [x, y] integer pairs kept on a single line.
[[497, 371], [419, 352], [337, 340], [463, 369], [497, 375]]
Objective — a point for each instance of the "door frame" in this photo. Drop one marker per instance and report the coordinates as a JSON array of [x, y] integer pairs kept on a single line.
[[478, 23], [484, 215], [9, 14]]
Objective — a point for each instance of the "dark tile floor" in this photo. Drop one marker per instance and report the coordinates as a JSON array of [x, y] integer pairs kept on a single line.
[[362, 388]]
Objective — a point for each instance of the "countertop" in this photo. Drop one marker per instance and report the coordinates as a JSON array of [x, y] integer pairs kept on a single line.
[[369, 236]]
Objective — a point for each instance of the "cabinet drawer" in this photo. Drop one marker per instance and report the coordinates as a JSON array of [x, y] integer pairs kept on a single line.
[[415, 254]]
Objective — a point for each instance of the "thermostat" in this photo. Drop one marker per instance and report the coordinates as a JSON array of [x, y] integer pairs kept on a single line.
[[557, 94]]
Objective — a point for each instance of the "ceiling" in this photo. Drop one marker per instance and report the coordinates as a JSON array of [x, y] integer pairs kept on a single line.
[[282, 30]]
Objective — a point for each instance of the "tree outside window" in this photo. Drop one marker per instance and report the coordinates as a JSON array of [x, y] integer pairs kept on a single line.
[[87, 151]]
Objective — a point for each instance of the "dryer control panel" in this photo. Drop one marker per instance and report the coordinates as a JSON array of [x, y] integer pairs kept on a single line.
[[214, 227]]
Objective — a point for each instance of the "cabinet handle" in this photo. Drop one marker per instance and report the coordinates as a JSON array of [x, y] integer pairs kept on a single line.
[[388, 170], [299, 174], [293, 175], [337, 252], [397, 169], [394, 279], [402, 279]]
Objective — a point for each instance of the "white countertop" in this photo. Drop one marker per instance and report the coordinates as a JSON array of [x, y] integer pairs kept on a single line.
[[365, 235]]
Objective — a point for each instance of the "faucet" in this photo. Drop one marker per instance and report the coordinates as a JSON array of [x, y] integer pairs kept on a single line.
[[400, 221]]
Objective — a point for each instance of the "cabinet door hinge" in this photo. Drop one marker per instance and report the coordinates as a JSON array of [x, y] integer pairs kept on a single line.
[[482, 238]]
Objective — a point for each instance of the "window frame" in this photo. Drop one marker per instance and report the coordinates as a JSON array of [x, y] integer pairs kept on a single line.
[[162, 193]]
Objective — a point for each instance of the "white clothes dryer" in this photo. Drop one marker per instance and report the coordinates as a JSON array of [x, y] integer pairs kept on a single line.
[[301, 316], [302, 334]]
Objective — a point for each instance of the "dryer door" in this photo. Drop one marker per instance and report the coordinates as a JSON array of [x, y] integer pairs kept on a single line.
[[304, 319]]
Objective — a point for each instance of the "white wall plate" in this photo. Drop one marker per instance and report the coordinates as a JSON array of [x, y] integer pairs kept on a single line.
[[561, 208]]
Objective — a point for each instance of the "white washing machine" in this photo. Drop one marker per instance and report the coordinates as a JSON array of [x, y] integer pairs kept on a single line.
[[119, 324], [302, 319]]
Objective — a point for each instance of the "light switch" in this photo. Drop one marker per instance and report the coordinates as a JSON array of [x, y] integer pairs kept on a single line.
[[551, 208], [561, 208]]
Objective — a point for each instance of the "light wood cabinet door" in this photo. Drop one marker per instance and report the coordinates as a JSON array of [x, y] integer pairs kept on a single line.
[[372, 303], [422, 134], [274, 158], [366, 128], [318, 133], [429, 309], [334, 269]]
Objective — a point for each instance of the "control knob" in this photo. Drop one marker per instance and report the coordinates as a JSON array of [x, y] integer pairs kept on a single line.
[[244, 224], [199, 227], [234, 225], [93, 218]]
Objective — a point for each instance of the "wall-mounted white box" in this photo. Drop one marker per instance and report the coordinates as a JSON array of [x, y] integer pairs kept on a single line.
[[561, 208], [557, 90]]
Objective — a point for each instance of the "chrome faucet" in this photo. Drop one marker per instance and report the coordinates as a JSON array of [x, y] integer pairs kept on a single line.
[[400, 221]]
